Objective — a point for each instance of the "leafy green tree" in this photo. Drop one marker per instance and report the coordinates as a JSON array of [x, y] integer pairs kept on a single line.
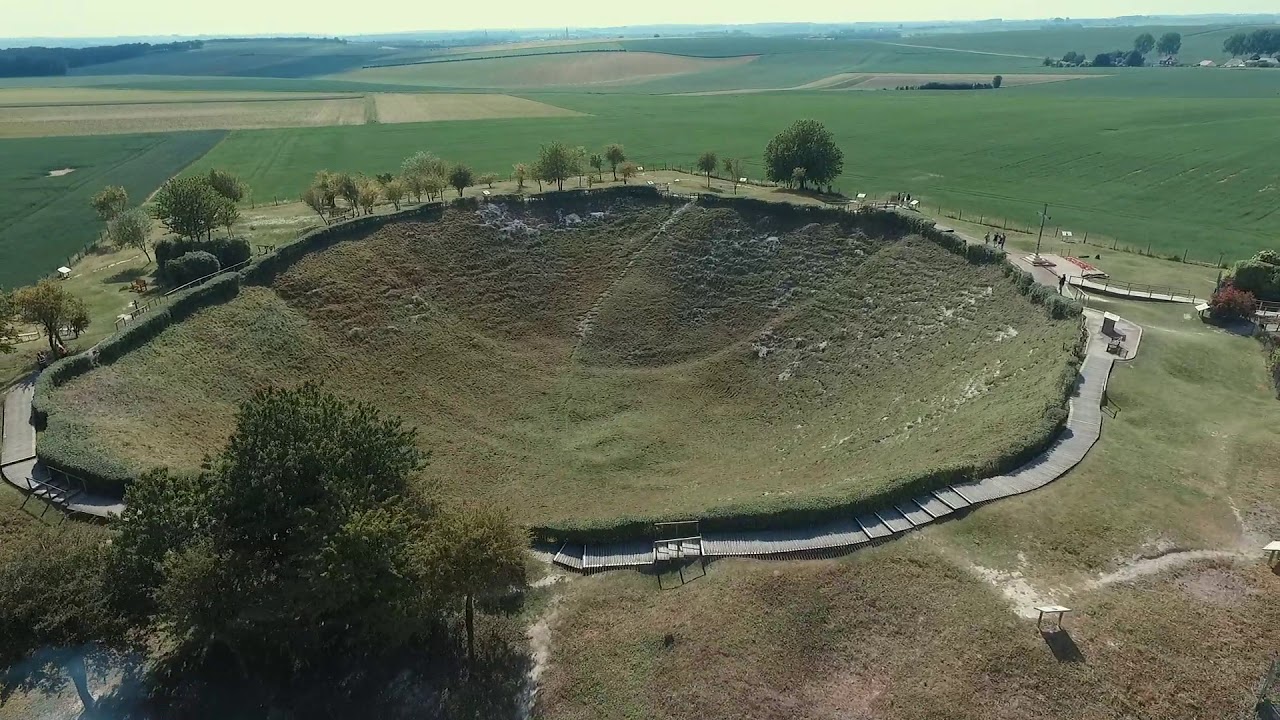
[[798, 176], [461, 177], [1144, 43], [1169, 43], [424, 164], [50, 306], [434, 186], [189, 207], [300, 541], [615, 156], [228, 215], [8, 332], [628, 170], [488, 179], [109, 202], [326, 183], [476, 553], [806, 144], [520, 173], [314, 197], [707, 163], [131, 229], [1102, 60], [395, 191], [596, 161], [997, 81], [368, 194], [227, 185], [556, 163], [733, 168], [348, 188], [58, 613], [1134, 59], [1236, 45], [578, 157]]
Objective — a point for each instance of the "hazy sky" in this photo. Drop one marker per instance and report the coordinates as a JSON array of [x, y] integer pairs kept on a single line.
[[105, 18]]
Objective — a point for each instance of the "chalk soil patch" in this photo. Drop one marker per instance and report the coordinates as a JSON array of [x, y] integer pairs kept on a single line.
[[61, 172]]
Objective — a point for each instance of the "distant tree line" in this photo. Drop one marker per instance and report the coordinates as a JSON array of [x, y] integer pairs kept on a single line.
[[1258, 42], [1168, 44], [45, 61]]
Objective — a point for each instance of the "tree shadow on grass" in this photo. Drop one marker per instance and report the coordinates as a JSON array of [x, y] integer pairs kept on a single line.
[[1062, 646], [126, 275], [425, 682]]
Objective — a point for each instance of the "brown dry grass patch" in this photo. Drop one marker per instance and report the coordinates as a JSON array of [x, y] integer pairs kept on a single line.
[[102, 119], [898, 633]]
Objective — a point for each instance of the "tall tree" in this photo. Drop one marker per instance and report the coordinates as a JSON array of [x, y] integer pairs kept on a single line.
[[806, 144], [1236, 45], [109, 202], [615, 155], [299, 541], [348, 187], [488, 179], [628, 170], [579, 157], [461, 177], [556, 163], [369, 191], [188, 206], [314, 198], [131, 229], [1144, 43], [1169, 43], [477, 554], [520, 173], [49, 305], [58, 615], [733, 168], [395, 191], [227, 185], [326, 183], [596, 161], [707, 163]]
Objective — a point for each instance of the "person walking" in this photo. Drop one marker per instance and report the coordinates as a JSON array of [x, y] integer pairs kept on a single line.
[[986, 239], [1062, 282]]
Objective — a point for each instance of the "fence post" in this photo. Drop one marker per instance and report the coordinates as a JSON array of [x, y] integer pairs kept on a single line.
[[1184, 255]]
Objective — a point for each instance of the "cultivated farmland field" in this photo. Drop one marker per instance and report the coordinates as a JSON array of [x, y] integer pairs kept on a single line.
[[572, 69], [45, 218], [434, 107]]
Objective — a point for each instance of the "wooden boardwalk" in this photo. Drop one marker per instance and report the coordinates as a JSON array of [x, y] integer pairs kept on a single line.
[[1084, 424], [1134, 292], [21, 468]]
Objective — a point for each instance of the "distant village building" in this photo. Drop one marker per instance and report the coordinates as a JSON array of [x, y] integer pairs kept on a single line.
[[1169, 61], [1233, 63], [1269, 62], [1208, 63]]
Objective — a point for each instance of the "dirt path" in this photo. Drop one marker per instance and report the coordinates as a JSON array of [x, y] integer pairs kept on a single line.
[[540, 645], [1171, 560], [588, 320]]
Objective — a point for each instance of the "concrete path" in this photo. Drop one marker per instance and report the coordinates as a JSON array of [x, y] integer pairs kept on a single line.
[[1084, 424], [21, 468]]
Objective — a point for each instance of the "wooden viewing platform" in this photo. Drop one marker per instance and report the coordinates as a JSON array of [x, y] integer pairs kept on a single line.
[[1084, 423]]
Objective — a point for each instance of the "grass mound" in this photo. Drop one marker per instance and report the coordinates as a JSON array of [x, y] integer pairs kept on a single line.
[[604, 358]]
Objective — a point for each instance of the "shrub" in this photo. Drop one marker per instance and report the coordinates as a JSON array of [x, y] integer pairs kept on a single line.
[[1231, 303], [191, 266], [229, 251]]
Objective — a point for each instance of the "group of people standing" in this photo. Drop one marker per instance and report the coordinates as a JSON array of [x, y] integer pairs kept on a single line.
[[997, 238]]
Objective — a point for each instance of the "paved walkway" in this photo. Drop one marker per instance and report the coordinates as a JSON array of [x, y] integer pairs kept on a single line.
[[21, 468], [1084, 424]]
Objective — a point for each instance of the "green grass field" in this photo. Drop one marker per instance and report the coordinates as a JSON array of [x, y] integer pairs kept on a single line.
[[1198, 42], [937, 624], [1178, 175], [46, 219], [818, 363]]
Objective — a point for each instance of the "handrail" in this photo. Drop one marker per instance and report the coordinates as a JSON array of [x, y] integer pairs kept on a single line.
[[1130, 287]]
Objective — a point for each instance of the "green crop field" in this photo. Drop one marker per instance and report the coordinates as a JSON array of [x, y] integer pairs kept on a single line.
[[829, 365], [1193, 176], [47, 218], [1198, 42]]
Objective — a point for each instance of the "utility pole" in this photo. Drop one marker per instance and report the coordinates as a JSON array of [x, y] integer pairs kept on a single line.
[[1044, 217]]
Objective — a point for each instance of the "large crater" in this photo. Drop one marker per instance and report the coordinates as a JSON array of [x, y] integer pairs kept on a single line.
[[619, 357]]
